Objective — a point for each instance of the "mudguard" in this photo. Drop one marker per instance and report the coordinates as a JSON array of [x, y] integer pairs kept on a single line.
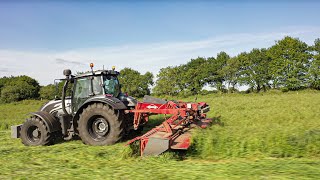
[[115, 103], [51, 122]]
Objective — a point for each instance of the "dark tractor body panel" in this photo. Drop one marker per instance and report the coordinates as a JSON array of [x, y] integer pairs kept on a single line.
[[115, 103], [128, 100]]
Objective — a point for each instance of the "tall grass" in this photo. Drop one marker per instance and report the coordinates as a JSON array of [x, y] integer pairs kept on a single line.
[[255, 126], [272, 124], [269, 125], [17, 112]]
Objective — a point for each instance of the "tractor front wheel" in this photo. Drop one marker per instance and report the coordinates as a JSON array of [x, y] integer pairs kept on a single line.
[[34, 132], [100, 125]]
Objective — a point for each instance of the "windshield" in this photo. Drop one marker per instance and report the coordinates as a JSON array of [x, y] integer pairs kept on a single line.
[[111, 85]]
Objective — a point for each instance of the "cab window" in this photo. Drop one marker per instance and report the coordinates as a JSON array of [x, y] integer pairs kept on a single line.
[[83, 87]]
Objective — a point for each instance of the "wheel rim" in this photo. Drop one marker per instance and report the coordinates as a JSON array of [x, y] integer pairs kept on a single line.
[[98, 128], [33, 134]]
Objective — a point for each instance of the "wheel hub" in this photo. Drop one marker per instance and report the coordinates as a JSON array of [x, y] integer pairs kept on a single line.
[[33, 134], [100, 127]]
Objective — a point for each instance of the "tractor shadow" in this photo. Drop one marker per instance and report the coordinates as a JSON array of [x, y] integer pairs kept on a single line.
[[61, 140]]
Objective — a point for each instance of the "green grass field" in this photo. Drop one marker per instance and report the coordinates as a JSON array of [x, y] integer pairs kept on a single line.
[[262, 136]]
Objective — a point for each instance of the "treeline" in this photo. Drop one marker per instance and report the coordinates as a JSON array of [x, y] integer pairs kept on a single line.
[[289, 65], [19, 88]]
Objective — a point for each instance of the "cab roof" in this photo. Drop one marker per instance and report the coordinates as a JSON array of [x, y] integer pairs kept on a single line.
[[98, 73]]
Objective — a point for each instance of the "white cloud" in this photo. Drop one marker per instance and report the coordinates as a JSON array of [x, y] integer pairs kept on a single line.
[[46, 66]]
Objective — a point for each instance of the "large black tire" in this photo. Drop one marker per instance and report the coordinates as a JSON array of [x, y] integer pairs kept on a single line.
[[100, 125], [34, 132]]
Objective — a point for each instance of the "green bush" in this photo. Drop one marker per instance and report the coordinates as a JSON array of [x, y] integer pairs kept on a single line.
[[19, 88], [47, 92], [10, 94]]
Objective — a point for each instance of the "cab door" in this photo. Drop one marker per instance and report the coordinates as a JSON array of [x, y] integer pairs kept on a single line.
[[84, 89], [81, 93]]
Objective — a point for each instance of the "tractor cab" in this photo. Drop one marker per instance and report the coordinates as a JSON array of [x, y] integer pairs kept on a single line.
[[102, 83]]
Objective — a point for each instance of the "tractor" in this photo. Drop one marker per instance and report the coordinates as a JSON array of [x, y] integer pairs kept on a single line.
[[100, 114]]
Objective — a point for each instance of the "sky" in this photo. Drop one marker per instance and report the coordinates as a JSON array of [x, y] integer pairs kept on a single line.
[[41, 38]]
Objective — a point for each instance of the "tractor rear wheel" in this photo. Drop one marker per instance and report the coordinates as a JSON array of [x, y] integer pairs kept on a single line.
[[34, 132], [100, 125]]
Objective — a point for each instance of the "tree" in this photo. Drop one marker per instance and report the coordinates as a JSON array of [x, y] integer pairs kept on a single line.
[[216, 74], [48, 92], [147, 79], [169, 81], [254, 70], [289, 65], [19, 88], [314, 70], [3, 81], [10, 94], [194, 75], [231, 73], [134, 83]]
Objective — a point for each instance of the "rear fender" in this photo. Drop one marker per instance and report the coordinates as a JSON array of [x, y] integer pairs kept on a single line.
[[115, 103]]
